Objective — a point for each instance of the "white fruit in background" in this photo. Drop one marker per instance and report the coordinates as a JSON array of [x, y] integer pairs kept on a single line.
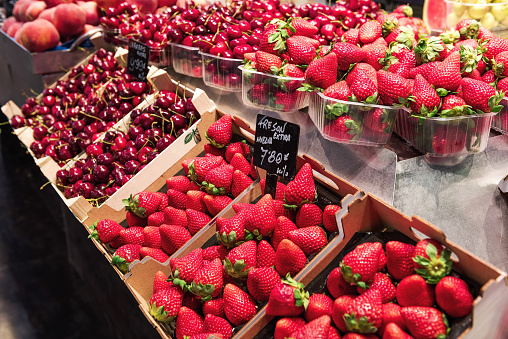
[[500, 11], [452, 19], [468, 1], [478, 11], [505, 22], [458, 9], [489, 21]]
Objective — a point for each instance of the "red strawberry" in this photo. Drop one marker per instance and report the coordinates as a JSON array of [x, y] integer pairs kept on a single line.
[[370, 31], [240, 259], [310, 239], [339, 309], [236, 147], [449, 139], [329, 221], [262, 219], [105, 230], [133, 220], [404, 9], [301, 189], [239, 183], [361, 264], [287, 299], [261, 281], [232, 232], [424, 69], [378, 120], [319, 305], [301, 52], [184, 269], [339, 90], [215, 307], [164, 202], [322, 73], [426, 100], [281, 188], [481, 96], [218, 180], [374, 53], [199, 167], [216, 203], [173, 237], [399, 258], [281, 231], [160, 282], [495, 46], [265, 61], [239, 163], [447, 74], [208, 281], [157, 218], [347, 54], [177, 199], [391, 314], [165, 304], [489, 77], [454, 106], [238, 305], [352, 335], [309, 215], [424, 322], [265, 255], [484, 34], [219, 134], [195, 201], [196, 220], [406, 63], [174, 216], [393, 331], [393, 89], [152, 237], [188, 323], [292, 71], [333, 333], [352, 36], [364, 89], [215, 324], [286, 326], [337, 286], [384, 284], [259, 94], [278, 206], [362, 314], [142, 204], [468, 28], [132, 235], [343, 128], [316, 329], [431, 260], [289, 258], [364, 68], [454, 297], [213, 252], [303, 27], [414, 291], [430, 49], [185, 165], [212, 150]]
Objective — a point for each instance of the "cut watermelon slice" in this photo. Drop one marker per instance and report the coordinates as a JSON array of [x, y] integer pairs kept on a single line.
[[434, 14]]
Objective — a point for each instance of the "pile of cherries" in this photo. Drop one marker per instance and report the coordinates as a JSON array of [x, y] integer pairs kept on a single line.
[[113, 160], [69, 117]]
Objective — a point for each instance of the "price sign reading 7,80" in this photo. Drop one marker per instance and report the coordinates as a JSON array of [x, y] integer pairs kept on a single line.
[[276, 146]]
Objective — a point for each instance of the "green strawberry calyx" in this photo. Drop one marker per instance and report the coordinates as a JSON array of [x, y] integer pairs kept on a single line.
[[494, 102], [192, 172], [204, 291], [348, 275], [132, 204], [212, 189], [450, 37], [361, 325], [228, 240], [301, 296], [94, 234], [469, 57], [254, 235], [406, 36], [308, 88], [280, 36], [470, 31], [354, 128], [335, 110], [159, 314], [435, 267], [389, 26], [428, 49], [120, 263], [236, 270], [428, 112], [457, 111], [294, 207], [175, 279]]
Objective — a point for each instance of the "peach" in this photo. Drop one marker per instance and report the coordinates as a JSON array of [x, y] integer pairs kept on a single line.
[[19, 9], [11, 31], [47, 14], [8, 22], [38, 35], [145, 6], [69, 19], [92, 11], [34, 9]]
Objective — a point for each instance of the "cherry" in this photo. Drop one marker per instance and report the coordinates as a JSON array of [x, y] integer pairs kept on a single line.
[[164, 142], [105, 159], [233, 80], [94, 150], [138, 87], [141, 141], [131, 167], [39, 132], [240, 50], [120, 143], [234, 32], [175, 35], [17, 121], [66, 134], [75, 174], [63, 152], [142, 154], [37, 148], [101, 173], [129, 153], [62, 177], [83, 140]]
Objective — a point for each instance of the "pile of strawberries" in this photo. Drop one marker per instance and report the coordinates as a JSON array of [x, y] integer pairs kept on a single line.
[[377, 294], [160, 223], [213, 289]]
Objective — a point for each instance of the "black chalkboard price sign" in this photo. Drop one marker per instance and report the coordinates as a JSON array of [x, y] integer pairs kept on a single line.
[[137, 60], [276, 146]]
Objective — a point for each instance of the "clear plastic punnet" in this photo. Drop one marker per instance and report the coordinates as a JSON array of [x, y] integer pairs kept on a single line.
[[222, 73], [186, 60], [492, 15], [500, 121]]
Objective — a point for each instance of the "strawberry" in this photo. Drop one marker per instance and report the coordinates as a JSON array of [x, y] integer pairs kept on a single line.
[[289, 258], [490, 78], [219, 133], [336, 284], [309, 215], [157, 218], [329, 221], [391, 314], [450, 37], [262, 220], [374, 53], [399, 259], [370, 31], [348, 54], [281, 231], [309, 40], [280, 210], [268, 39], [339, 90], [238, 305], [333, 333], [404, 9], [200, 166], [165, 304], [406, 63], [301, 52], [236, 147], [377, 120], [362, 314], [364, 89], [265, 255], [319, 305], [207, 335], [285, 102], [195, 201], [414, 291], [425, 322], [403, 35], [188, 323], [160, 282], [352, 36], [316, 329], [281, 188], [218, 180], [232, 232], [384, 284], [193, 302], [132, 235], [481, 96], [208, 281], [301, 189], [215, 324], [105, 231], [174, 216], [322, 73], [212, 150], [424, 69], [215, 307], [361, 264], [164, 202], [286, 326], [177, 199], [259, 94], [287, 299], [352, 335], [261, 281], [393, 89], [362, 67], [502, 85], [239, 183], [133, 220], [430, 49], [185, 165], [173, 237], [448, 139], [303, 27], [265, 61], [310, 239], [216, 203], [240, 260], [454, 106], [340, 305], [454, 297], [447, 74], [343, 128], [152, 237], [393, 331], [142, 204], [184, 269], [239, 163], [469, 58], [194, 186], [468, 28], [431, 260], [485, 34]]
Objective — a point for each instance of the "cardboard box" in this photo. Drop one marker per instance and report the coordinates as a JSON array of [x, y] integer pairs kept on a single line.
[[370, 214]]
